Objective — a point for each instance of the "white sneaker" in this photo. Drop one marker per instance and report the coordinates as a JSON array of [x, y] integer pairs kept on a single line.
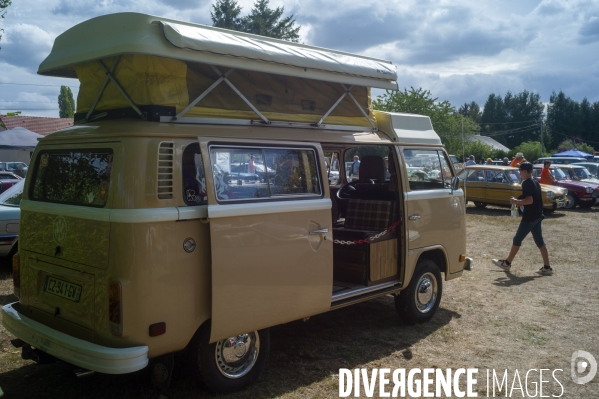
[[501, 263]]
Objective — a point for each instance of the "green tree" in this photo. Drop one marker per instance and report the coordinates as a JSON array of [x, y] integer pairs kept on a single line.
[[513, 119], [262, 20], [3, 5], [225, 14], [66, 103], [575, 143], [530, 149], [479, 149], [265, 21], [568, 119], [471, 110], [446, 121]]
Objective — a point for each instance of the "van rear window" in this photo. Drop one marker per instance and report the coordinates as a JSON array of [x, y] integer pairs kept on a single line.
[[76, 177]]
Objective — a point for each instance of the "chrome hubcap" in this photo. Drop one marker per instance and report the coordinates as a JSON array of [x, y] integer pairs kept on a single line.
[[235, 356], [426, 292]]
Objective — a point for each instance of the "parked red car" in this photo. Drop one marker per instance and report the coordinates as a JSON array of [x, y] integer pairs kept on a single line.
[[8, 179], [579, 193]]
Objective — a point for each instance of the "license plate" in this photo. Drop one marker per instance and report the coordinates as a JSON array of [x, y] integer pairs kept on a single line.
[[62, 288], [561, 204]]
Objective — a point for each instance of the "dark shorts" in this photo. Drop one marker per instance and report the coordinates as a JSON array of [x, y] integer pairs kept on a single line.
[[533, 227]]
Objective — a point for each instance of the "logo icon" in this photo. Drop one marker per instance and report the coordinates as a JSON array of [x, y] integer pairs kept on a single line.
[[583, 362], [60, 230]]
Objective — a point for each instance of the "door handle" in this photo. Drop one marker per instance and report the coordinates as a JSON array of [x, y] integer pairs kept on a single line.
[[319, 231], [414, 217]]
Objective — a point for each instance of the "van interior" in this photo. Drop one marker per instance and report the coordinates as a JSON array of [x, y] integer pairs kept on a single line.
[[366, 213]]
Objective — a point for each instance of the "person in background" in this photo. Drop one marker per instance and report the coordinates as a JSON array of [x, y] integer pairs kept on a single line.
[[506, 161], [251, 165], [20, 172], [532, 218], [334, 163], [354, 169], [517, 160], [546, 176], [470, 161], [489, 161]]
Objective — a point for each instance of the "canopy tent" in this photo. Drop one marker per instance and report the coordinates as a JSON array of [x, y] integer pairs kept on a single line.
[[19, 138], [573, 153], [132, 61]]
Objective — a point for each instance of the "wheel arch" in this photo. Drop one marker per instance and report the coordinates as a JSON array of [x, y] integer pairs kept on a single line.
[[436, 253]]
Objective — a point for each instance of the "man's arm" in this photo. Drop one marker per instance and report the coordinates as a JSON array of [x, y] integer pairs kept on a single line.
[[520, 202]]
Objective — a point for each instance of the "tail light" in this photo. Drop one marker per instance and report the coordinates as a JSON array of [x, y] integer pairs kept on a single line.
[[16, 275], [115, 307]]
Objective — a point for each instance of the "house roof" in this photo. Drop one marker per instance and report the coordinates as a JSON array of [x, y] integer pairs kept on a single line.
[[37, 124], [491, 142]]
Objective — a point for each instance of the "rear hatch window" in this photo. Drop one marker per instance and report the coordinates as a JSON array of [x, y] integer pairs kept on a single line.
[[75, 177]]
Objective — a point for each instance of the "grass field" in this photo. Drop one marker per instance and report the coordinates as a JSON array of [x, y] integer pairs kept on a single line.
[[488, 319]]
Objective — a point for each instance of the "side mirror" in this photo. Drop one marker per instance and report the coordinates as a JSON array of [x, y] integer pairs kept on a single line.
[[455, 183]]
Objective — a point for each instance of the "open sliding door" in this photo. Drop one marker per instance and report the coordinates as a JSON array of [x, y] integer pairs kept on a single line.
[[271, 234]]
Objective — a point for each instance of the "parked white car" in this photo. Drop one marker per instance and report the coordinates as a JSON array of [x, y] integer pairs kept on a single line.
[[10, 213]]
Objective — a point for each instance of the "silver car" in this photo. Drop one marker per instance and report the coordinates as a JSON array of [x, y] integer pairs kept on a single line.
[[10, 214]]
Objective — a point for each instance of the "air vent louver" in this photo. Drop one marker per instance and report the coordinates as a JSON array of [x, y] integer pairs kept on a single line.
[[165, 170]]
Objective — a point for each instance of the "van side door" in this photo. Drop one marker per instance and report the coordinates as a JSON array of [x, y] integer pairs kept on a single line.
[[270, 234], [435, 212]]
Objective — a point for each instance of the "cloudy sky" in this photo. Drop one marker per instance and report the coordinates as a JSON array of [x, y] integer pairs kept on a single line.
[[460, 50]]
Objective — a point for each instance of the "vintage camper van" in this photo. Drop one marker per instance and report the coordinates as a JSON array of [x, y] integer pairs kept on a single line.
[[190, 209]]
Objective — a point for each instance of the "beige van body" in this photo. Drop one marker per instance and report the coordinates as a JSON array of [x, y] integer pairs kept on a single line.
[[141, 239]]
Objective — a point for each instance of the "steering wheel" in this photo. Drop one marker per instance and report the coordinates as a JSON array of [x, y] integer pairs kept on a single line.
[[344, 192]]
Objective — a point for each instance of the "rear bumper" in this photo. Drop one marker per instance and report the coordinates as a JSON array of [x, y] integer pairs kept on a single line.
[[73, 350]]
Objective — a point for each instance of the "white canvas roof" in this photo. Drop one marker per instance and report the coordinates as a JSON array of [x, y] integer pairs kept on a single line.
[[134, 33]]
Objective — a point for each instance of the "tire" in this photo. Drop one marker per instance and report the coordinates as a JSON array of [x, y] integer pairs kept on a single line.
[[480, 205], [223, 368], [419, 302], [571, 200]]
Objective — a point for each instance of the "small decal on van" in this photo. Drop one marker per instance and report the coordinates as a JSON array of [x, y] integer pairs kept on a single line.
[[60, 230]]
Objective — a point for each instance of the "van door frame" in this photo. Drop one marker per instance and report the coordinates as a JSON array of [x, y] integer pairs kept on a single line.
[[269, 264]]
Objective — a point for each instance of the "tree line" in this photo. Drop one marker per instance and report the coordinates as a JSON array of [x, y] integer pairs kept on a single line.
[[519, 121]]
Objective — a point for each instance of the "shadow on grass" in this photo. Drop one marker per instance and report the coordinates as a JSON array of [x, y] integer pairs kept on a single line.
[[302, 353], [511, 280]]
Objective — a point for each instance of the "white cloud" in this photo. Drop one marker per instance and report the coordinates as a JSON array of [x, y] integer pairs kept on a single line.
[[460, 50]]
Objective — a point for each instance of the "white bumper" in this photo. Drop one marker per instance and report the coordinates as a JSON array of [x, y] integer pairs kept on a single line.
[[73, 350]]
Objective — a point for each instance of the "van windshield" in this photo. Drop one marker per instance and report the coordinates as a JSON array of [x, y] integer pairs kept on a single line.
[[76, 177]]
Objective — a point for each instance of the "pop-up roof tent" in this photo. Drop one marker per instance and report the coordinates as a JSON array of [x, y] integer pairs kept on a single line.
[[161, 69]]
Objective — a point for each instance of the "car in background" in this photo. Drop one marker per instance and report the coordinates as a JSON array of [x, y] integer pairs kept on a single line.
[[14, 167], [560, 160], [8, 179], [592, 167], [577, 172], [10, 213], [457, 165], [496, 184], [579, 193]]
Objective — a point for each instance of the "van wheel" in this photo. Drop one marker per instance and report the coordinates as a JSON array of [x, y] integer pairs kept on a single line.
[[231, 364], [419, 302], [480, 205]]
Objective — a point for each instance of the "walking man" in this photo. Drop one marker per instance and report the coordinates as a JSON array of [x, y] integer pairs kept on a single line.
[[531, 221]]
